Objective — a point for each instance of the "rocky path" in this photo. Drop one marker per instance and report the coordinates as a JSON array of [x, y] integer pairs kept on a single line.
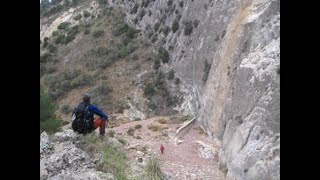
[[190, 157]]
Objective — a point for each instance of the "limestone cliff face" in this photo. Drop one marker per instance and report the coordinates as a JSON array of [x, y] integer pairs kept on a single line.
[[229, 66]]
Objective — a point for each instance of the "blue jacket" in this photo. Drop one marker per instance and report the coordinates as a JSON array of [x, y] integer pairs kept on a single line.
[[95, 110]]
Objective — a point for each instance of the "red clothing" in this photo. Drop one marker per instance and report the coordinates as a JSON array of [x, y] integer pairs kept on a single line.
[[98, 122], [161, 149]]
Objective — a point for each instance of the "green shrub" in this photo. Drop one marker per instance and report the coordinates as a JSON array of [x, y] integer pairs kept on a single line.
[[170, 2], [101, 51], [172, 101], [195, 23], [48, 120], [87, 25], [177, 81], [163, 18], [102, 89], [135, 57], [149, 90], [153, 169], [146, 3], [156, 26], [205, 6], [52, 48], [157, 64], [77, 17], [135, 21], [122, 141], [154, 38], [53, 10], [175, 26], [206, 71], [69, 38], [171, 74], [122, 52], [142, 13], [134, 10], [86, 14], [98, 33], [64, 25], [131, 33], [66, 3], [81, 80], [75, 2], [103, 2], [123, 28], [110, 133], [121, 107], [86, 31], [50, 126], [55, 33], [181, 3], [66, 109], [130, 131], [137, 126], [188, 28], [160, 80], [114, 161], [45, 57], [166, 30], [163, 55], [60, 39], [45, 44], [186, 118]]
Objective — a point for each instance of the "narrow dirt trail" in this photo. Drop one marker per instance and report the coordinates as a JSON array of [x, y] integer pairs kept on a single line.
[[194, 157]]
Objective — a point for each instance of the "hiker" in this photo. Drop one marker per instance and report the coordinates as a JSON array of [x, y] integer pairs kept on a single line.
[[161, 149], [83, 117]]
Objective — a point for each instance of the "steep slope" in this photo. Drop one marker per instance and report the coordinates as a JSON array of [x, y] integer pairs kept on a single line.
[[226, 61]]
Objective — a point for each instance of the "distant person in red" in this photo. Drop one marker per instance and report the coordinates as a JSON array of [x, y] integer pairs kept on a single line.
[[161, 149]]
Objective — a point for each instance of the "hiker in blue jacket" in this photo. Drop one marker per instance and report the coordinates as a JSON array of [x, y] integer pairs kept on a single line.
[[86, 111]]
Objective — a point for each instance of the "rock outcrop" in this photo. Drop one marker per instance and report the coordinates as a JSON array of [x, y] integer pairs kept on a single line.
[[60, 159]]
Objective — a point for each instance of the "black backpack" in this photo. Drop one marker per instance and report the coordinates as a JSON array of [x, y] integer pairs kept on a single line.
[[83, 122]]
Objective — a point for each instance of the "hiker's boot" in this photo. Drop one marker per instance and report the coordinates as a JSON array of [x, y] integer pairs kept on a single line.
[[102, 131], [102, 128]]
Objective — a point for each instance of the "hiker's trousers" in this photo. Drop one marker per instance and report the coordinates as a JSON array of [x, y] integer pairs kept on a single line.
[[99, 123]]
